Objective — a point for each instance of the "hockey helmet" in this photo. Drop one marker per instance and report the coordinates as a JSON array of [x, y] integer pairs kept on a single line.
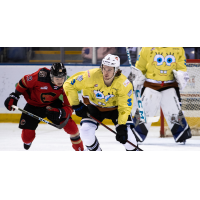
[[111, 61], [58, 70]]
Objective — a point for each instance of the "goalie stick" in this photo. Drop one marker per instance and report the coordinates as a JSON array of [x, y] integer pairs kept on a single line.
[[41, 119], [112, 131], [138, 98]]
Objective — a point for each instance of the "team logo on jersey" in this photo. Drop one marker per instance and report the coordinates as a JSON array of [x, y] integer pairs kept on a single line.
[[100, 95], [55, 87], [116, 58], [101, 104], [96, 85], [130, 93], [126, 82], [107, 97], [47, 97], [42, 74], [80, 78], [153, 48], [164, 64], [29, 78], [23, 121], [88, 73], [44, 88]]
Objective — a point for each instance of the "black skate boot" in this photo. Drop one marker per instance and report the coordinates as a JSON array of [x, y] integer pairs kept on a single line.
[[27, 146]]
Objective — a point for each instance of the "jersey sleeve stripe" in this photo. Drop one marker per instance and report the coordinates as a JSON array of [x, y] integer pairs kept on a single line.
[[21, 84], [24, 82]]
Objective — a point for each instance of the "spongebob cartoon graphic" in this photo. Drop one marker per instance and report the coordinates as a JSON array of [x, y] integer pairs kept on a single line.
[[100, 96], [158, 63], [164, 63]]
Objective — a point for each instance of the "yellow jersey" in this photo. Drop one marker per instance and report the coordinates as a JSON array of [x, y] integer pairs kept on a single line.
[[157, 63], [119, 94]]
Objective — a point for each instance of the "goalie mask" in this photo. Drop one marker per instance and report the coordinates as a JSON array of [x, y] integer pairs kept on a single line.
[[58, 70], [111, 61]]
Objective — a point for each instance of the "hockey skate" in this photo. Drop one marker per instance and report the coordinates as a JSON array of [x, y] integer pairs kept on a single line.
[[27, 146]]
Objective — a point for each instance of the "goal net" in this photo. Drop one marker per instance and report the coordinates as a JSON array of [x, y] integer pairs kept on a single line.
[[190, 98]]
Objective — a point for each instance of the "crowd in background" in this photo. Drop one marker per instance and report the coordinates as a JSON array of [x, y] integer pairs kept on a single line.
[[84, 56]]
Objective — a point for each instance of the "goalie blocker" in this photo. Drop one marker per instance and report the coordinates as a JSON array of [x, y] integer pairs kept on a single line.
[[168, 100]]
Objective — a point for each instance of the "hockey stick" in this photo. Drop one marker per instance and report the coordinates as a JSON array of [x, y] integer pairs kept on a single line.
[[43, 120], [138, 98], [112, 130]]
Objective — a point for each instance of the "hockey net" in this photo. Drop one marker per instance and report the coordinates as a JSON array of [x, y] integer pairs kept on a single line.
[[190, 98]]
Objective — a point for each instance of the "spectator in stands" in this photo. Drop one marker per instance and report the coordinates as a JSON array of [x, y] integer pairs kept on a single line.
[[16, 54], [101, 53]]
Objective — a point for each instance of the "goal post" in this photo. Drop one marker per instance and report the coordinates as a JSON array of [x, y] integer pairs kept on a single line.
[[190, 98]]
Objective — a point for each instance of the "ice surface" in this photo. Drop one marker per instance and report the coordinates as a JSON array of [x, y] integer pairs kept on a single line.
[[49, 138]]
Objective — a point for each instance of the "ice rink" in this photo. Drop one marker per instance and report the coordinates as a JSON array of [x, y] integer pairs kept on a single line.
[[49, 138]]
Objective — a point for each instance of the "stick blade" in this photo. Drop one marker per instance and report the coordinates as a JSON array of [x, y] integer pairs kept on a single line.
[[64, 123]]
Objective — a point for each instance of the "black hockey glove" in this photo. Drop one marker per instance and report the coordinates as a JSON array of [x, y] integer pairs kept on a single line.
[[55, 113], [81, 110], [11, 100], [122, 135]]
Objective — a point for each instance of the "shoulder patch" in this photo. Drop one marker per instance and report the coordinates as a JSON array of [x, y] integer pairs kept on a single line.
[[29, 78], [126, 82], [42, 73], [44, 76], [80, 78]]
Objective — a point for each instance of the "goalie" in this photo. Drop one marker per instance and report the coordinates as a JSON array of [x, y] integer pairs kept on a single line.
[[162, 72]]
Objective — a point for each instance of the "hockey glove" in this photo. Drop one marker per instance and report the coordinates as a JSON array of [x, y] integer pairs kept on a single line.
[[181, 78], [81, 110], [11, 100], [55, 113], [122, 135]]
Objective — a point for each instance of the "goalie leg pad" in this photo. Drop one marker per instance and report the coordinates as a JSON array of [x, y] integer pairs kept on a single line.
[[151, 103], [174, 115], [28, 135]]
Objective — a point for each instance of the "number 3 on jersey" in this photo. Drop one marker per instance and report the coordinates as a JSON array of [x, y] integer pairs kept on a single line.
[[129, 102]]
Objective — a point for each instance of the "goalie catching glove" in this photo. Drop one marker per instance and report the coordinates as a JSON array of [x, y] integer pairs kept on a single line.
[[81, 110], [122, 135], [11, 100], [181, 78], [55, 113]]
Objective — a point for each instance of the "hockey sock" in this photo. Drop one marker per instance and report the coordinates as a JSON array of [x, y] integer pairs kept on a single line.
[[95, 146], [28, 135], [77, 143]]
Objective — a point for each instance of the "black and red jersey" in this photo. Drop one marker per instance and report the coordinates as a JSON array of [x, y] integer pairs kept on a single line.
[[38, 90]]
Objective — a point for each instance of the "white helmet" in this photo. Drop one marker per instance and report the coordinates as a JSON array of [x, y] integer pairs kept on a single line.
[[111, 61]]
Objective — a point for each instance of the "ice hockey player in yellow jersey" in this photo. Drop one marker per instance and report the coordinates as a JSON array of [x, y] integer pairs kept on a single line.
[[106, 94], [162, 72]]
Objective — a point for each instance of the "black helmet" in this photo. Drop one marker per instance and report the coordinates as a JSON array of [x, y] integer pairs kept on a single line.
[[58, 70]]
